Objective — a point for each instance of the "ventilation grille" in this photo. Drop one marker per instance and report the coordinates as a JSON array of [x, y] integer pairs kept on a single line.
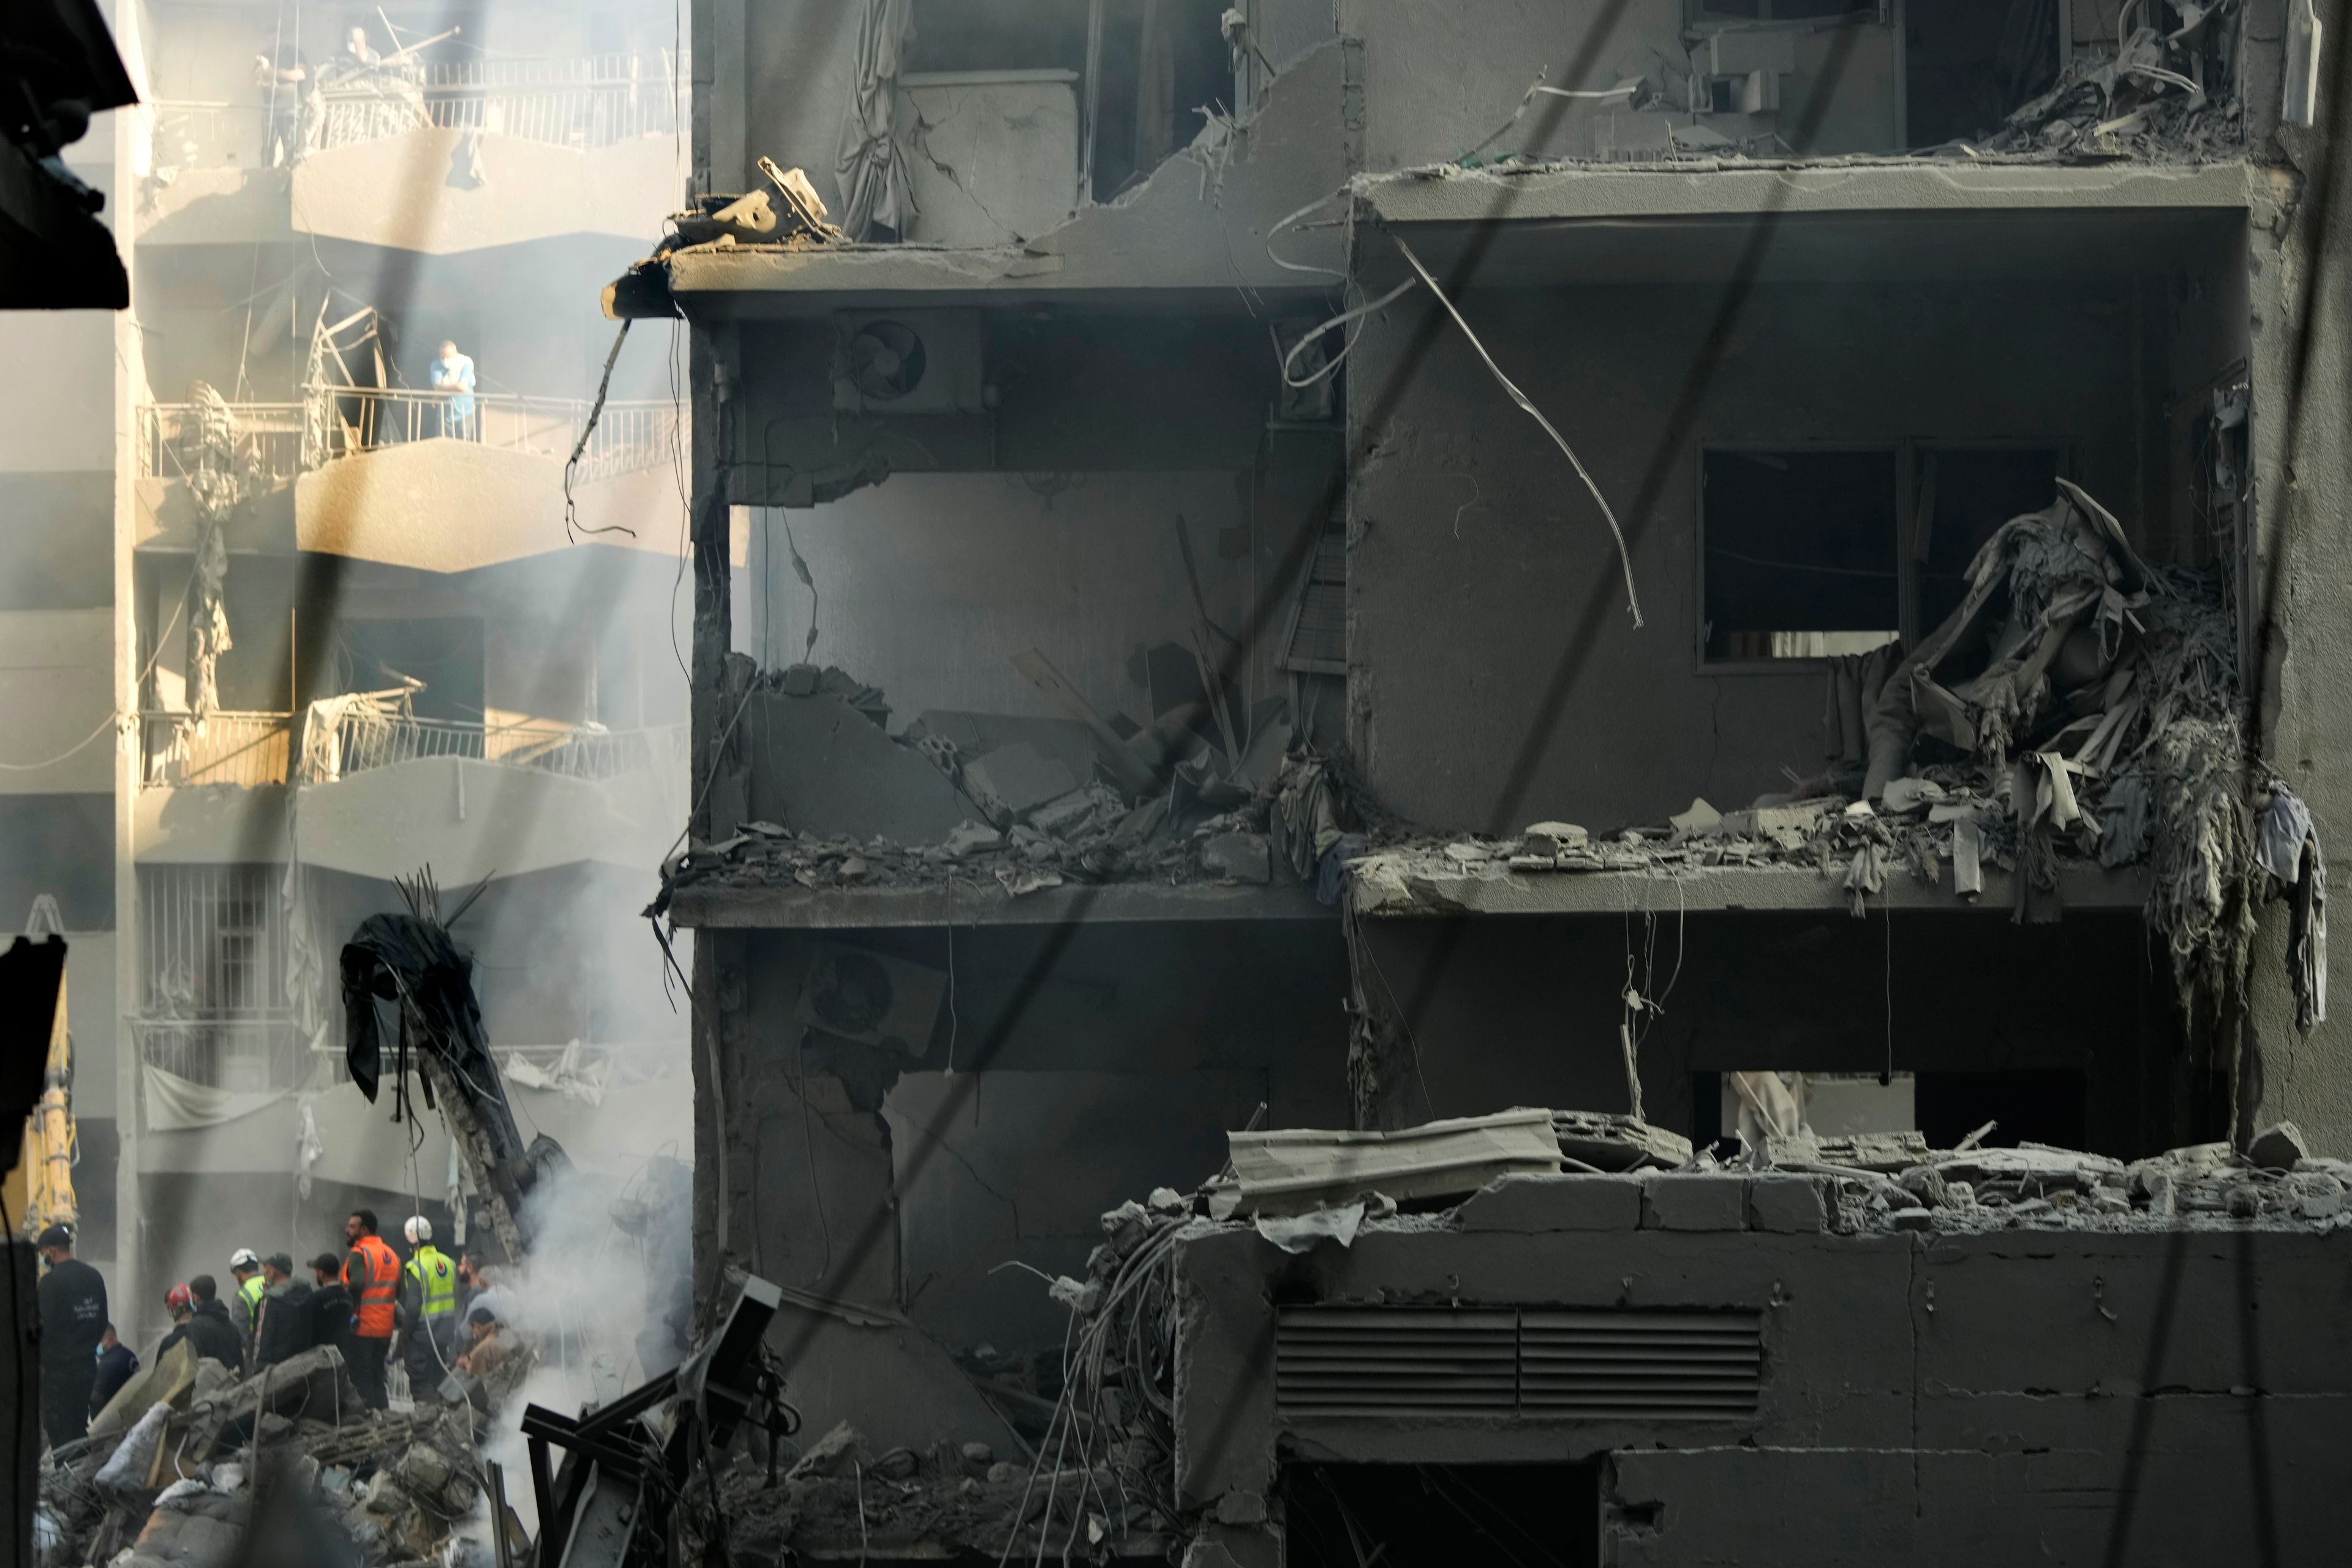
[[1640, 1366], [1599, 1364], [1356, 1361]]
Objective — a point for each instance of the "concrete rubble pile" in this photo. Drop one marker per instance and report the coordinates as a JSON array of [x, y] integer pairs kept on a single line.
[[2168, 84], [170, 1470], [2080, 707], [1210, 792]]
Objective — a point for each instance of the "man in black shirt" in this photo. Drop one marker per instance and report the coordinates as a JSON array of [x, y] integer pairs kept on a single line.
[[207, 1325], [116, 1364], [73, 1319], [283, 1330], [330, 1305]]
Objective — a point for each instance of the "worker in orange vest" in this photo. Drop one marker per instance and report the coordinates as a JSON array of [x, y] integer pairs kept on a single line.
[[372, 1279]]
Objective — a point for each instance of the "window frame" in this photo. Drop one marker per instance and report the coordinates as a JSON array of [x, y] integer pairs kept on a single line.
[[1907, 451]]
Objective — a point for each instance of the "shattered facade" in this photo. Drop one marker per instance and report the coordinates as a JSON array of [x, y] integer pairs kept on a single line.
[[1759, 568]]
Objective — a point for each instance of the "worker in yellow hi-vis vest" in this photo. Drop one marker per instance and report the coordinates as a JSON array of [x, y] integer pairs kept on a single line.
[[428, 1308]]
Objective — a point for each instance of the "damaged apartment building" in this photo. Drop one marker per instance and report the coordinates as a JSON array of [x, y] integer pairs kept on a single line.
[[1651, 687], [353, 626]]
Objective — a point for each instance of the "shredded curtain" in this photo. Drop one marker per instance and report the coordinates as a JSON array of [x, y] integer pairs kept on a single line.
[[872, 165]]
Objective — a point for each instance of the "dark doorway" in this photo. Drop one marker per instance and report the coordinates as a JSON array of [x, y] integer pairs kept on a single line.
[[1969, 62], [1492, 1515], [1960, 495], [445, 652]]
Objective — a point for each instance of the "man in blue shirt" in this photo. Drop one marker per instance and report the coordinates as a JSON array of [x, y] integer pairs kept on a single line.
[[453, 373]]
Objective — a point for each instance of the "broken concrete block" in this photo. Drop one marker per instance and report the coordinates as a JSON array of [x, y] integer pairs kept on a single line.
[[1527, 1205], [1553, 838], [1003, 1471], [1700, 818], [2277, 1147], [2318, 1196], [826, 768], [1241, 1508], [830, 1455], [1694, 1200], [971, 837], [1788, 1202], [799, 680], [1243, 857], [1015, 780]]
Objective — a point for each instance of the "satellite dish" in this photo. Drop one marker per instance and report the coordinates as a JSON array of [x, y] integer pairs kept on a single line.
[[885, 361]]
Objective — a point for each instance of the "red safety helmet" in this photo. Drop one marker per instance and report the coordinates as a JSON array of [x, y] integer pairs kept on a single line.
[[178, 1298]]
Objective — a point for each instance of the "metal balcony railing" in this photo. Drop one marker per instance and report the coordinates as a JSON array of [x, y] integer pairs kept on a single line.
[[362, 738], [578, 103], [275, 441], [266, 446], [242, 749], [252, 1052], [629, 436]]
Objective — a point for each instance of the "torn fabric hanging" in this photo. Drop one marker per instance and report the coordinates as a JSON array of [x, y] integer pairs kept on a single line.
[[2288, 845], [872, 165]]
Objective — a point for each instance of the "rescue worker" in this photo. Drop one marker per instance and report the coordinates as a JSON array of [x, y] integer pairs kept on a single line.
[[284, 1329], [245, 1267], [116, 1364], [202, 1320], [372, 1275], [72, 1299], [428, 1307], [330, 1305]]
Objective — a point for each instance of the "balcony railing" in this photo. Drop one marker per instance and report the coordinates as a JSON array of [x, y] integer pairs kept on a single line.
[[578, 103], [274, 441], [251, 749], [266, 444], [253, 1052], [362, 738], [241, 749]]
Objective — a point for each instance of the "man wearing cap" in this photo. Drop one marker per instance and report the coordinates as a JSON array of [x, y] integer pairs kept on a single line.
[[245, 1267], [372, 1275], [428, 1307], [73, 1320]]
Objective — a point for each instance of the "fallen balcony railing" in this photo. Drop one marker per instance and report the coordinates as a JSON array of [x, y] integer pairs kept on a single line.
[[265, 441]]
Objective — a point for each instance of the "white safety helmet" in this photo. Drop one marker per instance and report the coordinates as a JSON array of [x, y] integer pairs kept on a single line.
[[244, 1258], [418, 1229]]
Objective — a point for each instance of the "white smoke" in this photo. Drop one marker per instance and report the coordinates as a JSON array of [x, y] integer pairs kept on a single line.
[[606, 1275]]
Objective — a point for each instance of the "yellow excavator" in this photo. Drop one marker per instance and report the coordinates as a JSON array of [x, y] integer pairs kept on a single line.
[[39, 1192]]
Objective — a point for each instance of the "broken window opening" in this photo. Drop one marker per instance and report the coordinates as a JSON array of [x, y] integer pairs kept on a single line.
[[1799, 553], [1960, 496], [1968, 64], [1539, 1516], [1156, 65]]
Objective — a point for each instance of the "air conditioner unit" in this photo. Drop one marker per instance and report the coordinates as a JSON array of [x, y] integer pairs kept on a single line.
[[909, 361], [871, 998]]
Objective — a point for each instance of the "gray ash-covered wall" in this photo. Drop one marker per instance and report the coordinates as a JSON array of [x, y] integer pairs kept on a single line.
[[1507, 1012], [1090, 1061], [2160, 1396], [1496, 678]]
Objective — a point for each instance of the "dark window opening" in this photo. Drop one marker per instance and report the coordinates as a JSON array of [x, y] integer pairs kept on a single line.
[[1534, 1516], [2041, 1106], [1801, 553], [1968, 63], [445, 652], [1959, 498]]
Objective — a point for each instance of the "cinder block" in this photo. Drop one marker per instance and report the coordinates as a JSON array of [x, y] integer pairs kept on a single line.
[[1529, 1205], [1788, 1202], [1698, 1200]]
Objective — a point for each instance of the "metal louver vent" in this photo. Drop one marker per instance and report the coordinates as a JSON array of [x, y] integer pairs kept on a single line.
[[1588, 1365], [1361, 1360], [1640, 1366]]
